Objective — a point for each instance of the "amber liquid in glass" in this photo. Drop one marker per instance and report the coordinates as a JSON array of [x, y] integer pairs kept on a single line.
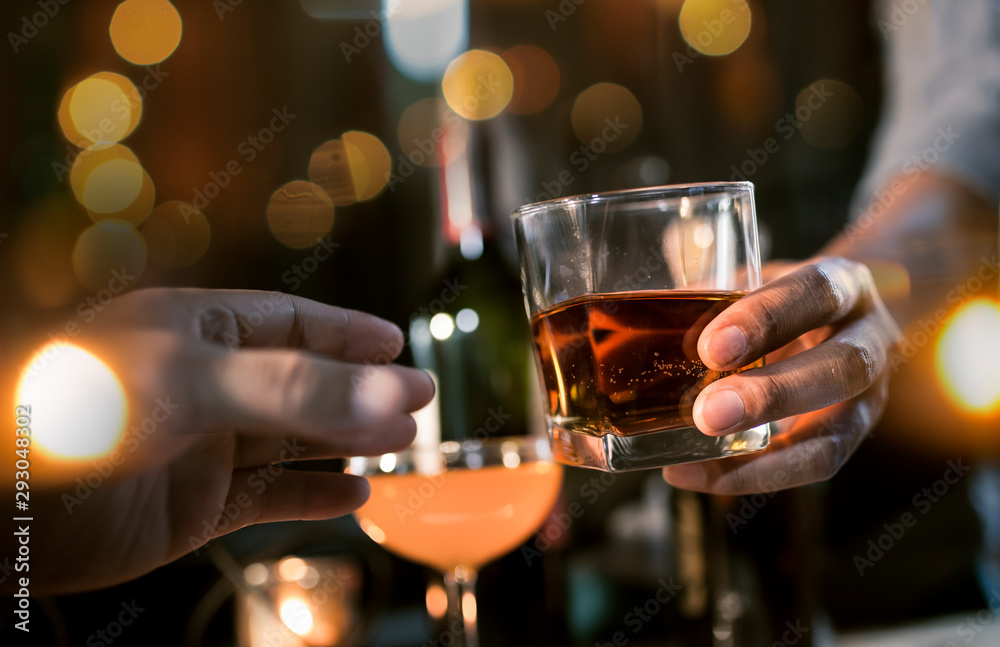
[[626, 363]]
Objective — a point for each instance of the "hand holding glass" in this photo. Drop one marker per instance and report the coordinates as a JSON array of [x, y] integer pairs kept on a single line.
[[618, 288]]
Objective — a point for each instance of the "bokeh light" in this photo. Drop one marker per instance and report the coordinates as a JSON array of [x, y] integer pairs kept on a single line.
[[110, 252], [299, 214], [831, 114], [136, 211], [421, 37], [536, 79], [968, 356], [291, 569], [715, 27], [431, 134], [103, 108], [370, 163], [442, 326], [146, 32], [331, 170], [177, 235], [90, 159], [296, 616], [436, 600], [478, 85], [78, 406], [112, 186], [606, 117]]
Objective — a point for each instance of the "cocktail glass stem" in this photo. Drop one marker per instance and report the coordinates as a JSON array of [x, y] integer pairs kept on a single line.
[[460, 585]]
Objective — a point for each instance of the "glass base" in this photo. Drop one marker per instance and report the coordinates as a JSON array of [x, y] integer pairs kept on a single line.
[[611, 453]]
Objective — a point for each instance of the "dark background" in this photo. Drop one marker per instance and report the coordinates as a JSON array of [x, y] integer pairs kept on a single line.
[[224, 80]]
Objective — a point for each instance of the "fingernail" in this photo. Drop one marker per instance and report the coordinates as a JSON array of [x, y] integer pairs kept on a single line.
[[727, 345], [721, 410]]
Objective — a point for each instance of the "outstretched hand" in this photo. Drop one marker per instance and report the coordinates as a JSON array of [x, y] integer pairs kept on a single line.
[[228, 384]]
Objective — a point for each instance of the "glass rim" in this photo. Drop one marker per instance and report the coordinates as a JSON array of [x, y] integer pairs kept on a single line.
[[666, 190]]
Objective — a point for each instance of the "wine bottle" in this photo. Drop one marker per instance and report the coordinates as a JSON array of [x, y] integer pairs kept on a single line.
[[470, 331]]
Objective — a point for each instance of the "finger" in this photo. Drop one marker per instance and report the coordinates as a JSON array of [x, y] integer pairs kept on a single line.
[[254, 450], [814, 449], [772, 316], [259, 319], [298, 393], [292, 496], [840, 368]]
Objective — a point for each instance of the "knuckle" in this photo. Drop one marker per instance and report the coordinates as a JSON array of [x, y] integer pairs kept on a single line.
[[217, 324], [824, 291], [769, 398], [860, 366], [769, 323], [827, 458], [295, 380]]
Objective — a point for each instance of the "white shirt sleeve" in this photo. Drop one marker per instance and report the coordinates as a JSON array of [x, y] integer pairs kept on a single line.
[[942, 94]]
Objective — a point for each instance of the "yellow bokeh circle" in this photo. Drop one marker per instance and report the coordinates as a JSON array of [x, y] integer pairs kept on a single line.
[[331, 170], [177, 234], [431, 134], [146, 32], [104, 108], [830, 114], [107, 252], [370, 163], [478, 84], [299, 214], [606, 117], [715, 27]]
